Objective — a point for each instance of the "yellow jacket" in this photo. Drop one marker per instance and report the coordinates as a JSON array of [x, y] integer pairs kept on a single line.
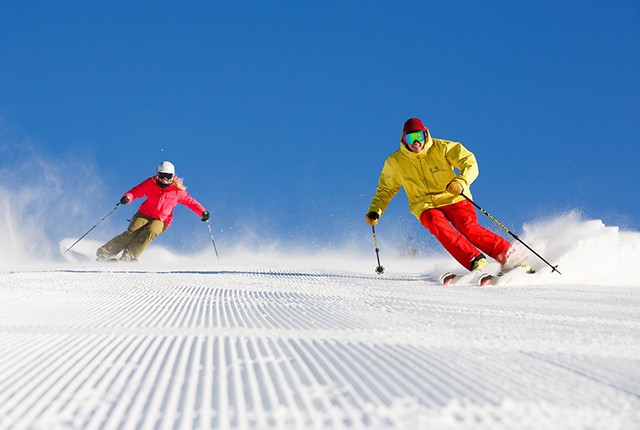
[[425, 175]]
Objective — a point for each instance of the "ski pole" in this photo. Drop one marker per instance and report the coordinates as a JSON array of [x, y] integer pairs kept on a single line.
[[82, 237], [379, 269], [212, 241], [553, 268]]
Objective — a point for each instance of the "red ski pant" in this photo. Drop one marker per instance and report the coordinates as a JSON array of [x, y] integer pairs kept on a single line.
[[456, 228]]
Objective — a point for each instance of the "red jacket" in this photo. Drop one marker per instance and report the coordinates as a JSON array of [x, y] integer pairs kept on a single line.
[[160, 201]]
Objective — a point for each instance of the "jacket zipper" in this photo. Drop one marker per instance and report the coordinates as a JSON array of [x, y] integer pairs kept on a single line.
[[426, 182]]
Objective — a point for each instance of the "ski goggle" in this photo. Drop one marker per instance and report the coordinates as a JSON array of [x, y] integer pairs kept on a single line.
[[165, 176], [416, 136]]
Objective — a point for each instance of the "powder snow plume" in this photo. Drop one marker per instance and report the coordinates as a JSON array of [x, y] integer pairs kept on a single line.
[[586, 251], [42, 200]]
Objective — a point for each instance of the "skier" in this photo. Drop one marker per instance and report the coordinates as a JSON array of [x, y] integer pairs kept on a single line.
[[424, 166], [163, 191]]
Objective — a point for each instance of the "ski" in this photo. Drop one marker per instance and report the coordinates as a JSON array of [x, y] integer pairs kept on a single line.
[[481, 279]]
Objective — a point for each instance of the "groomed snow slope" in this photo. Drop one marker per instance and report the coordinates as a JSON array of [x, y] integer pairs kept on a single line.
[[122, 346]]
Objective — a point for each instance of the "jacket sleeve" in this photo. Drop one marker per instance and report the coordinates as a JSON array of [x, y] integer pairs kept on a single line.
[[388, 186], [139, 190], [191, 203], [463, 160]]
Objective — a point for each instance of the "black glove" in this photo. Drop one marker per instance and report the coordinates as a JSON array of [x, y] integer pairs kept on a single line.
[[124, 200], [205, 216], [372, 218]]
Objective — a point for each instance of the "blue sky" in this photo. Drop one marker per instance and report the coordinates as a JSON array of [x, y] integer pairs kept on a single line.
[[280, 114]]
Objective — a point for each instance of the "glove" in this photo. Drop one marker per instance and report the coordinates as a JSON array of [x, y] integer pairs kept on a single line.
[[124, 200], [205, 216], [372, 218], [455, 188]]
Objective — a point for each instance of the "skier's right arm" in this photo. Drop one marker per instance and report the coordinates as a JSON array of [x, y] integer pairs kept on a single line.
[[388, 186], [138, 191]]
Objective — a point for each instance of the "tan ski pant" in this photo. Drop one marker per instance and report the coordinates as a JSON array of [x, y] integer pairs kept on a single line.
[[140, 233]]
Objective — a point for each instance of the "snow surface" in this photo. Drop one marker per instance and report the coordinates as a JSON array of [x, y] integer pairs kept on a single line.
[[315, 341]]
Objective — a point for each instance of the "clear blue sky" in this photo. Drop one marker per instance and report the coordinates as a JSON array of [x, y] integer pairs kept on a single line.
[[279, 114]]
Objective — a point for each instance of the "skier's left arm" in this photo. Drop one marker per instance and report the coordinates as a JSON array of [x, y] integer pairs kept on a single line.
[[193, 204], [463, 160]]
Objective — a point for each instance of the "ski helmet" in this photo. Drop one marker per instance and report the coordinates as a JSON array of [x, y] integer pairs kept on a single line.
[[166, 167]]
